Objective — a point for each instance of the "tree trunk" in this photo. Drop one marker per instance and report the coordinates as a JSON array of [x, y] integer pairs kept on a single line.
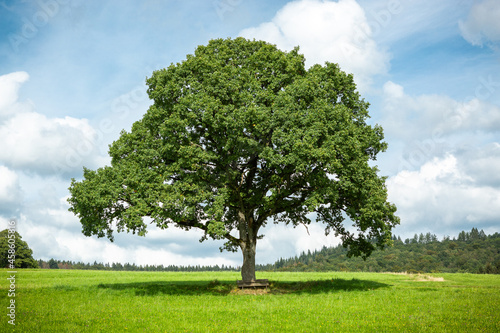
[[248, 269], [248, 244]]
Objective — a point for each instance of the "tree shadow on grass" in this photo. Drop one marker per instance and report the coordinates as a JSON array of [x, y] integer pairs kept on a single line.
[[215, 287], [324, 286], [222, 288]]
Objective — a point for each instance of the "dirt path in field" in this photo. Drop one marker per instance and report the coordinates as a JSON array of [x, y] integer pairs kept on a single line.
[[421, 277]]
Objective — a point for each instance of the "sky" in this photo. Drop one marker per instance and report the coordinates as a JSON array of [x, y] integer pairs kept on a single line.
[[72, 76]]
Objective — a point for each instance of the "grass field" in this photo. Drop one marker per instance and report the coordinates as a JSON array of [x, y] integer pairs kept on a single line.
[[103, 301]]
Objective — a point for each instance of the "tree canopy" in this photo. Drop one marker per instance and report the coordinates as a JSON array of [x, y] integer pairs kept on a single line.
[[240, 134], [20, 255]]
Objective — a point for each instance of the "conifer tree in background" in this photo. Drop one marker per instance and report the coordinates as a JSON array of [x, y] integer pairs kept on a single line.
[[53, 264]]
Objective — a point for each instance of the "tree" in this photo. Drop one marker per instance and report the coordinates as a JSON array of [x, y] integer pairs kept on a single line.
[[240, 134], [20, 255], [53, 264]]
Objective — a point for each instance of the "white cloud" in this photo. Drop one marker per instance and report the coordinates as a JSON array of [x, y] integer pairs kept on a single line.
[[441, 196], [482, 25], [428, 113], [10, 190], [431, 125], [149, 256], [54, 232], [282, 241], [449, 156], [337, 32], [482, 164], [9, 87], [64, 244], [33, 142]]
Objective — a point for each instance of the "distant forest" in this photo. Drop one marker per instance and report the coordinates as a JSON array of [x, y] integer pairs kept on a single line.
[[471, 252]]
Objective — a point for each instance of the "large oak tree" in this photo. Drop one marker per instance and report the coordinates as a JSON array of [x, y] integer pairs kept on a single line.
[[240, 134]]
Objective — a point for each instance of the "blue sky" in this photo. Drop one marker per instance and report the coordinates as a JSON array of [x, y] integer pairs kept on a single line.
[[72, 77]]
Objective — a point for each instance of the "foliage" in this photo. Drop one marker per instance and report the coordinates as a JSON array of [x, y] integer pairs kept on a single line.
[[472, 252], [241, 134], [53, 264], [102, 301], [21, 252]]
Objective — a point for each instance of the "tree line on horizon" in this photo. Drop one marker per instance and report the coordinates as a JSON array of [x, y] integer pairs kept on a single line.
[[470, 252], [65, 264]]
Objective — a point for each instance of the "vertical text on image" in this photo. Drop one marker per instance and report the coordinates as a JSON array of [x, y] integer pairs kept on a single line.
[[11, 257]]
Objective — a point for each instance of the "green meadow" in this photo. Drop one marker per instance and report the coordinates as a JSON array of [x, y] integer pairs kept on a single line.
[[110, 301]]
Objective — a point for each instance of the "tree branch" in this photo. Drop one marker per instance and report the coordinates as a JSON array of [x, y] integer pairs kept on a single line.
[[192, 224], [307, 229]]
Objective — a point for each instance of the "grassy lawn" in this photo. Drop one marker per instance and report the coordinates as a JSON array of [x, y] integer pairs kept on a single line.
[[102, 301]]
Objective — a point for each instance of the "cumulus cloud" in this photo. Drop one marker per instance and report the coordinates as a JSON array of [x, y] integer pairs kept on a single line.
[[482, 164], [449, 156], [59, 239], [10, 191], [35, 143], [482, 25], [337, 32], [429, 126], [9, 87], [54, 232], [428, 113], [441, 196], [282, 241]]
